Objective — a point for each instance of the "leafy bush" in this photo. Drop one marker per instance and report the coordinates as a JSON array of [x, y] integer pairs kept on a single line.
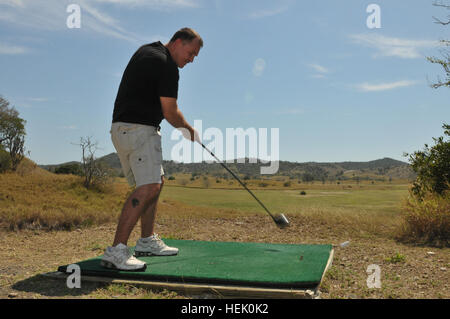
[[432, 166], [427, 210]]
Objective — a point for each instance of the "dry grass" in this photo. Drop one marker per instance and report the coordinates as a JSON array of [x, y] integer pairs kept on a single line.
[[426, 221], [38, 199]]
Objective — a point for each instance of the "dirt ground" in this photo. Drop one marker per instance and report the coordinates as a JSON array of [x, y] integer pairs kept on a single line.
[[406, 271]]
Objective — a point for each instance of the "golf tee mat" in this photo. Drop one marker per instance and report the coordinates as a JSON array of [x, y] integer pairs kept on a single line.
[[257, 265]]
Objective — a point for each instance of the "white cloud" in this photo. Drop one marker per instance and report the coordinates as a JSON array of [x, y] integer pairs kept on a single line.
[[282, 6], [259, 67], [394, 47], [51, 15], [13, 3], [319, 68], [12, 49], [267, 13], [155, 4], [366, 87]]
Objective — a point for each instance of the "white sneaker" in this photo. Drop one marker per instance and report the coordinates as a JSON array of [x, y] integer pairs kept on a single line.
[[120, 257], [153, 245]]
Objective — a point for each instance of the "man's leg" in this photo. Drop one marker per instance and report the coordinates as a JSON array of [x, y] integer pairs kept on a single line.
[[136, 205], [150, 243], [149, 215]]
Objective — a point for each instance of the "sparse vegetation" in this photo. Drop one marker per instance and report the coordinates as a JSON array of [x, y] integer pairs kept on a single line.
[[427, 209], [397, 258]]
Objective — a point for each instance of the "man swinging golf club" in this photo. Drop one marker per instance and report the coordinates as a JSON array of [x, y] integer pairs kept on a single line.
[[147, 94]]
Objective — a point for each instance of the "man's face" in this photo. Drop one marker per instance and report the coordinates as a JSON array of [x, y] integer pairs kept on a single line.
[[185, 52]]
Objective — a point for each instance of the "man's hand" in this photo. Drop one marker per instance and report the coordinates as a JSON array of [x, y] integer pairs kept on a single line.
[[190, 134]]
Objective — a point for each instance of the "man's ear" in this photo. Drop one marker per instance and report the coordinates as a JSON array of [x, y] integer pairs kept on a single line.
[[178, 42]]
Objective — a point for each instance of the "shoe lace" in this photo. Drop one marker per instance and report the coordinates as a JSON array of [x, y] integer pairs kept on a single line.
[[127, 252], [158, 241]]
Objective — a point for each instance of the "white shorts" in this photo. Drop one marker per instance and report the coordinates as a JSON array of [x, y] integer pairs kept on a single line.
[[139, 149]]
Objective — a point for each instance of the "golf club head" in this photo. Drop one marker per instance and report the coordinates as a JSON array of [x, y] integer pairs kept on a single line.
[[281, 221]]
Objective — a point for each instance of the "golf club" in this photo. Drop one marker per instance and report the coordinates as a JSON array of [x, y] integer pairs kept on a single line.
[[280, 220]]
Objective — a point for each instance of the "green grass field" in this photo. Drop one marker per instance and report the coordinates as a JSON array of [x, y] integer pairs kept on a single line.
[[383, 201]]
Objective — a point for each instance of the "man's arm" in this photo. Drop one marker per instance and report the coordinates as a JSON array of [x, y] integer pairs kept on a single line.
[[174, 116]]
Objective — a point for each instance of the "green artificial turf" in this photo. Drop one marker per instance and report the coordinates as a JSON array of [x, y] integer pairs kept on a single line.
[[232, 263]]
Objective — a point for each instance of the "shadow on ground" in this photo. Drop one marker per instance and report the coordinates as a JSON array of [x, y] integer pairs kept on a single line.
[[51, 287]]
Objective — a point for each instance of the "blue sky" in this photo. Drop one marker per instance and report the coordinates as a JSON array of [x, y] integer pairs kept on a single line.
[[336, 89]]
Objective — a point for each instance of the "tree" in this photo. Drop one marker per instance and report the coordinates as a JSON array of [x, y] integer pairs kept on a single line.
[[12, 133], [432, 166], [94, 172], [445, 61]]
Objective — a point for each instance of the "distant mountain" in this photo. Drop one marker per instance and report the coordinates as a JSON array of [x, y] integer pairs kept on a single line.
[[375, 170]]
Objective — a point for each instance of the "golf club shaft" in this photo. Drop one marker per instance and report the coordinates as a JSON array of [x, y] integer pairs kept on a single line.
[[237, 178]]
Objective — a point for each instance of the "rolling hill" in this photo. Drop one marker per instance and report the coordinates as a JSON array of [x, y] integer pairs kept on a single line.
[[379, 169]]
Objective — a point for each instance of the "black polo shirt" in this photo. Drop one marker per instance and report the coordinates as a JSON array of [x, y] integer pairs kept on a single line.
[[151, 73]]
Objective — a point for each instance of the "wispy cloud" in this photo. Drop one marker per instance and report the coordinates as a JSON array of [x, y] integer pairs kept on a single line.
[[155, 4], [320, 69], [30, 102], [12, 49], [393, 47], [51, 15], [367, 87], [13, 3], [267, 12], [282, 6]]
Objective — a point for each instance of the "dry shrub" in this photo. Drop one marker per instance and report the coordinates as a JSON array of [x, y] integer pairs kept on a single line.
[[427, 221]]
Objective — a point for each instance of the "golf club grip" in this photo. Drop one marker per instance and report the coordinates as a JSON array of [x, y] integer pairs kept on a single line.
[[237, 178]]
